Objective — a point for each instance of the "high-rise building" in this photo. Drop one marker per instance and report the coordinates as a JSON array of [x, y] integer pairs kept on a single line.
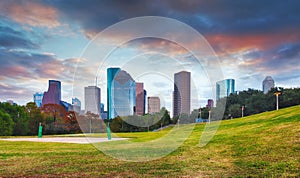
[[101, 107], [268, 84], [121, 97], [92, 98], [210, 103], [76, 104], [182, 93], [140, 99], [153, 105], [38, 98], [53, 95], [224, 88]]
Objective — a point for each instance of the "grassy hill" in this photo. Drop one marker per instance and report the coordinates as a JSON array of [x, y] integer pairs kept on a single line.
[[262, 145]]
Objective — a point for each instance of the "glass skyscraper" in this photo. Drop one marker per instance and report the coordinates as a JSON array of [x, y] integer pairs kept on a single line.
[[37, 98], [76, 104], [121, 93], [53, 95], [224, 88], [268, 84]]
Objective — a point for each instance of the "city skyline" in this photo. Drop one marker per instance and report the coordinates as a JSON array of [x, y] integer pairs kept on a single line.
[[43, 40]]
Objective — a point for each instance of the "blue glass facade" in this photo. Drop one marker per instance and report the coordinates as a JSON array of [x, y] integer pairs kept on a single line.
[[121, 93], [224, 88], [37, 98]]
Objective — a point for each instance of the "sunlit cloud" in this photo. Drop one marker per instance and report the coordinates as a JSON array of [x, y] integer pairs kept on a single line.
[[31, 13]]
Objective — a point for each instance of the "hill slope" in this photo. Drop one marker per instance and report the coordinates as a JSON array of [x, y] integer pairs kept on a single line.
[[267, 144]]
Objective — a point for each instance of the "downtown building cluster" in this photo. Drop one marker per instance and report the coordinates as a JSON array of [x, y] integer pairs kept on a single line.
[[127, 97]]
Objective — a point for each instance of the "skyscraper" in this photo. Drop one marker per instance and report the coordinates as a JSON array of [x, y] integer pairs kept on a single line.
[[76, 104], [224, 88], [153, 105], [210, 103], [121, 89], [182, 93], [53, 95], [38, 98], [92, 99], [268, 84], [140, 99]]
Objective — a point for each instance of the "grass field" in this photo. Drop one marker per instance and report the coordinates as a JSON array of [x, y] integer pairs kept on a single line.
[[263, 145]]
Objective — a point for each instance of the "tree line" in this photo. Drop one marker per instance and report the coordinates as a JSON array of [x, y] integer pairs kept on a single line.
[[24, 120]]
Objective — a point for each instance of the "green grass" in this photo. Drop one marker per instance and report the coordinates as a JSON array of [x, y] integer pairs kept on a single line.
[[263, 145]]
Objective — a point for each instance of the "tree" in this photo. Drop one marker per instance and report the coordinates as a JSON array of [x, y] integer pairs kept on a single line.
[[6, 124], [35, 118], [71, 125], [235, 111]]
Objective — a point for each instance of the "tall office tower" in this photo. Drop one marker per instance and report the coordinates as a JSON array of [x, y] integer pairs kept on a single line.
[[140, 99], [92, 98], [153, 105], [210, 103], [268, 84], [182, 93], [53, 95], [38, 98], [121, 97], [76, 104], [145, 98], [224, 88]]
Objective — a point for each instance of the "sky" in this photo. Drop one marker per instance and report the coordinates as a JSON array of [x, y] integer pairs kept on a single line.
[[44, 40]]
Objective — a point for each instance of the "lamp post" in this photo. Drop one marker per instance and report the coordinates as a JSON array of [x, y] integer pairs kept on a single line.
[[277, 93], [209, 116], [243, 108], [90, 125]]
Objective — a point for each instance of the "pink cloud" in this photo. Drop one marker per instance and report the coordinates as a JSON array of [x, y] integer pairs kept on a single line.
[[31, 13]]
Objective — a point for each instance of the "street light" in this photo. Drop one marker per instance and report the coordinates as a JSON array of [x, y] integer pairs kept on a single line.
[[243, 108], [209, 116], [90, 125], [277, 93]]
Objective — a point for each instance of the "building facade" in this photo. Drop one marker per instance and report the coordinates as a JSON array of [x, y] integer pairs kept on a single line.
[[92, 99], [182, 93], [140, 99], [76, 104], [121, 93], [210, 103], [38, 98], [268, 84], [153, 105], [53, 95], [224, 88]]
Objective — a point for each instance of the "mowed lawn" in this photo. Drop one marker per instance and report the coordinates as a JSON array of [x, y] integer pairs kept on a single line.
[[263, 145]]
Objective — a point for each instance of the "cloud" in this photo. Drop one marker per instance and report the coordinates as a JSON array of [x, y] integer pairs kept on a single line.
[[29, 65], [13, 92], [30, 13], [11, 38]]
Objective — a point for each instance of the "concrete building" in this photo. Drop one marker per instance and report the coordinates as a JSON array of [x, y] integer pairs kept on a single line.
[[224, 88], [153, 105], [268, 84], [140, 99], [210, 103], [182, 93], [92, 98]]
